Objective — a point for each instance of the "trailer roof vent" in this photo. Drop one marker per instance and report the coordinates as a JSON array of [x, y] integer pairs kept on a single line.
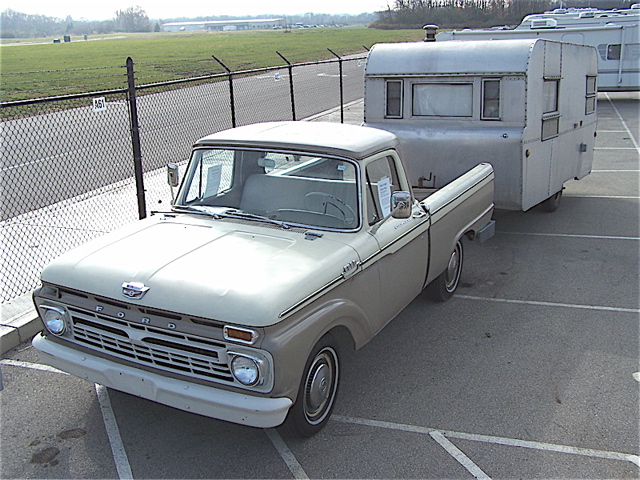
[[544, 23], [430, 33]]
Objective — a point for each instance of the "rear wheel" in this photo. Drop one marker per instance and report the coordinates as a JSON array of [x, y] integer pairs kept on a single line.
[[318, 389], [552, 203], [443, 287]]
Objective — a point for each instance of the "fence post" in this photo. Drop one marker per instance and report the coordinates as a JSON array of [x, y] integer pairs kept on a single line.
[[135, 140], [231, 95], [341, 88], [291, 94]]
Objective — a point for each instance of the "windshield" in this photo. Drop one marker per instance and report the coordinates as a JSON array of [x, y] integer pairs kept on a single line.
[[304, 190]]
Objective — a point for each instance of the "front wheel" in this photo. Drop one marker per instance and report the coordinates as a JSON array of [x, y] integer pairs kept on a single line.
[[443, 287], [318, 389]]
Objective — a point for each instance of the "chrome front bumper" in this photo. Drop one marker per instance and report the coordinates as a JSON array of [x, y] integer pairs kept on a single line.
[[262, 412]]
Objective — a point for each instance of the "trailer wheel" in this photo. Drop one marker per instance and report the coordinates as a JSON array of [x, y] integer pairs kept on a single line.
[[552, 203], [443, 287], [318, 389]]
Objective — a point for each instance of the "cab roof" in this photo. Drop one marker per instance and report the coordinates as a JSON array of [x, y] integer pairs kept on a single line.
[[351, 141]]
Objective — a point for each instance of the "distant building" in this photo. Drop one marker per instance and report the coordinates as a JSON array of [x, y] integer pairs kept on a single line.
[[224, 25]]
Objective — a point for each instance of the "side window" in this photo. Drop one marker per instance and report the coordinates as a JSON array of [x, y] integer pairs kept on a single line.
[[382, 181], [550, 113], [613, 51], [394, 99], [491, 99], [591, 94], [442, 99]]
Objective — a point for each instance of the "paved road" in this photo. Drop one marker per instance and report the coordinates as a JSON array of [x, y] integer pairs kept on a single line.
[[50, 157], [529, 371]]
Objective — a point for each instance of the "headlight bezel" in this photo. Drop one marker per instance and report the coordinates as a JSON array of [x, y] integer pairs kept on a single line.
[[254, 363], [55, 315]]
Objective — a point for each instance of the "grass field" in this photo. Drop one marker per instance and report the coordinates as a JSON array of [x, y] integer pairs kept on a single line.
[[37, 68]]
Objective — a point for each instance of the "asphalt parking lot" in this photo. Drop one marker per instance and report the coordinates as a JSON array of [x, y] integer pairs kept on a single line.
[[530, 371]]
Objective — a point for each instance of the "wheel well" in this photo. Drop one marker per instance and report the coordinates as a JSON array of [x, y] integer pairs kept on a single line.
[[343, 336]]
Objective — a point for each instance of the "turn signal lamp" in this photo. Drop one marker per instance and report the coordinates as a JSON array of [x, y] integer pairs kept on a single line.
[[240, 335]]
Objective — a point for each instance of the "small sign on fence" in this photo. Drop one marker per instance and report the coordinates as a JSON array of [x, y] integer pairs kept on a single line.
[[99, 104]]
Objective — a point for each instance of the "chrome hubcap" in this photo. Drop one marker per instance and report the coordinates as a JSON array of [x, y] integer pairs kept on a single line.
[[452, 269]]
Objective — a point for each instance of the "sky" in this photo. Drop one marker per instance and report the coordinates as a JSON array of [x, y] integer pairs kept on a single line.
[[161, 9]]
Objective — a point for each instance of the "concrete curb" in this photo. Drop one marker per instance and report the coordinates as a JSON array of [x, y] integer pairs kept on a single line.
[[18, 322]]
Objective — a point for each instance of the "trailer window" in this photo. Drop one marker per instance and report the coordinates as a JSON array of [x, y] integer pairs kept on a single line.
[[443, 99], [394, 99], [550, 113], [591, 94], [613, 51], [491, 99], [550, 94], [550, 127]]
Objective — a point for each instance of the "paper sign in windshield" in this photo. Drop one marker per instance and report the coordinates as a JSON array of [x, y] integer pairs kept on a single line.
[[214, 174], [384, 195]]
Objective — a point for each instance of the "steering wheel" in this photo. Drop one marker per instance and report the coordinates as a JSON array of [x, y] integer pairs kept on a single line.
[[326, 200]]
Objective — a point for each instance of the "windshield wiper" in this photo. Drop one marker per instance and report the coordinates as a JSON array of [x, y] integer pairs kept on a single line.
[[230, 213], [196, 210], [233, 213]]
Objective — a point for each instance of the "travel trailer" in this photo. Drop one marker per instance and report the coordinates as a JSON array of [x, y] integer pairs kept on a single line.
[[526, 106], [614, 33]]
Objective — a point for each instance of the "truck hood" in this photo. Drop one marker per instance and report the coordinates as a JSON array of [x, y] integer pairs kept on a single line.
[[224, 270]]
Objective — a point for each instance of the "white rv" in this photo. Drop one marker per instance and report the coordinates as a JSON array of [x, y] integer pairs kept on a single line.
[[526, 106], [614, 33]]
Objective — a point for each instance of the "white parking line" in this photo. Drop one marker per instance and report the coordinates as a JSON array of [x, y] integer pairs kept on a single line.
[[111, 426], [511, 442], [570, 235], [616, 148], [550, 304], [624, 124], [614, 197], [115, 440], [292, 463], [459, 455], [32, 366]]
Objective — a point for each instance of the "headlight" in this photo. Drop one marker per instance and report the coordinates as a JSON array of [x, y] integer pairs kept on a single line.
[[55, 319], [245, 369]]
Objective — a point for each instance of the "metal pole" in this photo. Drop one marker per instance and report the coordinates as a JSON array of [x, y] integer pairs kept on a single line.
[[341, 88], [135, 140], [231, 95], [291, 94]]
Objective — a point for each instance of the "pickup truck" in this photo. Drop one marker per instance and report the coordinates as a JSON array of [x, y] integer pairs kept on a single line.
[[286, 243]]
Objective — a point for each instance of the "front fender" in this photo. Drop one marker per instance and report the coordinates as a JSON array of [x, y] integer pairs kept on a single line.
[[291, 340]]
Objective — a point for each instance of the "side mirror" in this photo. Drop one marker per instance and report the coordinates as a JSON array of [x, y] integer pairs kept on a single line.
[[401, 204], [173, 176]]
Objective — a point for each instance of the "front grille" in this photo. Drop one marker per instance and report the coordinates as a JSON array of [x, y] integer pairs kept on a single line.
[[166, 341], [146, 345]]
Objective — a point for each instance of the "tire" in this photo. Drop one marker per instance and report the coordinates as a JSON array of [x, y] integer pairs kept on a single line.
[[552, 203], [318, 389], [443, 287]]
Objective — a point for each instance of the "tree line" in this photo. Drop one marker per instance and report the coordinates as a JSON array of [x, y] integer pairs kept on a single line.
[[475, 13], [135, 19], [22, 25]]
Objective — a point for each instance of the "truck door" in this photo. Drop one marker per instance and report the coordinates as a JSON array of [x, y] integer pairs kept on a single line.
[[402, 257]]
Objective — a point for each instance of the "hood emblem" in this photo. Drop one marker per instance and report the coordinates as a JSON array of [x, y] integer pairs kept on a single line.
[[134, 290]]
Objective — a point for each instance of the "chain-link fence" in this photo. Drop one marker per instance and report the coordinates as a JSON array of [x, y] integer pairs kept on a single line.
[[76, 167]]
